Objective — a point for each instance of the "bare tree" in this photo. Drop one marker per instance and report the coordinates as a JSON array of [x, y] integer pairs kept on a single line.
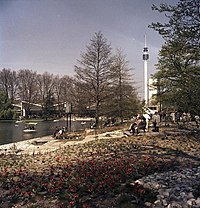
[[67, 89], [123, 98], [94, 71], [83, 103], [45, 84], [57, 92], [14, 83], [27, 87], [9, 83]]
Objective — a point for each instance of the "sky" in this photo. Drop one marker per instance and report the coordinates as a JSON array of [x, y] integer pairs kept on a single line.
[[50, 35]]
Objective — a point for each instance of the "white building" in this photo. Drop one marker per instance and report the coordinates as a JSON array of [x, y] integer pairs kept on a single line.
[[153, 91]]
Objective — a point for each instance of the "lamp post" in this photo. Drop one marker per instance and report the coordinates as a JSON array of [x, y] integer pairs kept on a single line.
[[68, 109]]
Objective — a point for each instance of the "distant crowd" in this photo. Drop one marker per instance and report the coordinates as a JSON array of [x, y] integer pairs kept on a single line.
[[141, 121]]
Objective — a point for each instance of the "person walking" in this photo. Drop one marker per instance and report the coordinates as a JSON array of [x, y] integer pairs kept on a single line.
[[156, 122], [147, 119]]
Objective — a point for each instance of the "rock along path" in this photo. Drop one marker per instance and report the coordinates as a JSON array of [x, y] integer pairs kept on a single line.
[[176, 189]]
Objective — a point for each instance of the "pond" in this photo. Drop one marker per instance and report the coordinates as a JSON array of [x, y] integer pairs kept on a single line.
[[10, 131]]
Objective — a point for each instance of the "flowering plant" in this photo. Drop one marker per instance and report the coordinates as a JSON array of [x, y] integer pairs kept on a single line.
[[77, 175]]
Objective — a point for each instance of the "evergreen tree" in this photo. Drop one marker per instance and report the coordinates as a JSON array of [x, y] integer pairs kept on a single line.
[[178, 65], [6, 111]]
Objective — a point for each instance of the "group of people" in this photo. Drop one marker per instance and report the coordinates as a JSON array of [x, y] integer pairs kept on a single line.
[[141, 122], [58, 134]]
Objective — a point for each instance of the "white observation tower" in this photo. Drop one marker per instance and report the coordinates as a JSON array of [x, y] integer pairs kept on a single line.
[[145, 58]]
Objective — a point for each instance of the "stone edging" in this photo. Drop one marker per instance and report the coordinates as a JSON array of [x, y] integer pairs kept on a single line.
[[176, 189]]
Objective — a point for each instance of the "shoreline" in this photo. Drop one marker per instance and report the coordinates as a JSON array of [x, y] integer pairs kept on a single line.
[[49, 143], [13, 131]]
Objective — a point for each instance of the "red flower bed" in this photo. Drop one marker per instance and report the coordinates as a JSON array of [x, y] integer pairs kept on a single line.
[[75, 183]]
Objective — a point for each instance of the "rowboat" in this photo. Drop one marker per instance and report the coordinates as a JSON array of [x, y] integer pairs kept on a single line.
[[30, 127]]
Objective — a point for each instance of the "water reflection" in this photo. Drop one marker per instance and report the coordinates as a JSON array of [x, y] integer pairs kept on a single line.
[[10, 131]]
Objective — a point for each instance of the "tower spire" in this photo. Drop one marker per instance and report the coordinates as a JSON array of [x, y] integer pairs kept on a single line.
[[145, 58], [145, 41]]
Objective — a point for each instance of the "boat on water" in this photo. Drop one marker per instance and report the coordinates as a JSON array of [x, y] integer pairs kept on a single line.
[[18, 121], [56, 120], [30, 127]]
